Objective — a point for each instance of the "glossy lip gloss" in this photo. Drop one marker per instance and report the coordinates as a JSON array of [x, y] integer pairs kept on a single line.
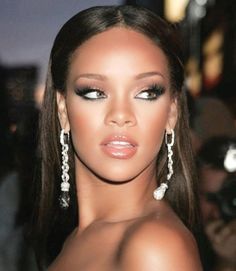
[[119, 147]]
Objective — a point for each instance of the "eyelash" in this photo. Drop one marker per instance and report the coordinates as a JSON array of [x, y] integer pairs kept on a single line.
[[154, 90], [88, 90]]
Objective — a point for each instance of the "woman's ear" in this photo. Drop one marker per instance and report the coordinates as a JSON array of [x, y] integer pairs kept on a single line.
[[172, 116], [62, 112]]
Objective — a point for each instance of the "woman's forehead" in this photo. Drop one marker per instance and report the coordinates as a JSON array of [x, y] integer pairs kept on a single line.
[[120, 49]]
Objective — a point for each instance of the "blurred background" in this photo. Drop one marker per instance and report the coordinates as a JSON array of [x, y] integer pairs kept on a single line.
[[208, 32]]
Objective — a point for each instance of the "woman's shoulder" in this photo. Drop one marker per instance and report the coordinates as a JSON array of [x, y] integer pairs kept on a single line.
[[158, 242]]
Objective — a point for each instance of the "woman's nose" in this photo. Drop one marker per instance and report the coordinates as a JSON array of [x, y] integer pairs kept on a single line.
[[120, 114]]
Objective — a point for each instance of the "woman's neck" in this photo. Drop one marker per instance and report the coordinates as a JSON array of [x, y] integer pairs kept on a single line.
[[99, 200]]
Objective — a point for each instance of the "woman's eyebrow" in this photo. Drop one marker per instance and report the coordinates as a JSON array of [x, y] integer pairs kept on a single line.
[[92, 76], [102, 77], [148, 74]]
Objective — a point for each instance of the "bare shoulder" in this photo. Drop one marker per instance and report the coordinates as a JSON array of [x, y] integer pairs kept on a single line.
[[158, 243], [66, 257]]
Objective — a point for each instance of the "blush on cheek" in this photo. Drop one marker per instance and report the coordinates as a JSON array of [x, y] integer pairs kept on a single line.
[[157, 130]]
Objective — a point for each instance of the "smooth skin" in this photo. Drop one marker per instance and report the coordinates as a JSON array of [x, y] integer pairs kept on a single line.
[[121, 227]]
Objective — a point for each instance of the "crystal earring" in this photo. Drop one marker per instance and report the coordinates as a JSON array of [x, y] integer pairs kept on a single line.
[[64, 198], [159, 192]]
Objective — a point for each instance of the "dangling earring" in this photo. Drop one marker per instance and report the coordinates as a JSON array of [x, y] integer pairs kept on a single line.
[[159, 192], [64, 198]]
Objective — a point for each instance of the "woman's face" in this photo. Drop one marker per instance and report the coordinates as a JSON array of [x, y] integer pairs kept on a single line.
[[117, 104]]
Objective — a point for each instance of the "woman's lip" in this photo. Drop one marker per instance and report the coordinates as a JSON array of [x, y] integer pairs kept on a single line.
[[121, 140], [119, 147]]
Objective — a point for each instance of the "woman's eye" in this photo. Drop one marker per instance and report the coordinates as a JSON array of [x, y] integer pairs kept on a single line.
[[150, 94], [90, 94]]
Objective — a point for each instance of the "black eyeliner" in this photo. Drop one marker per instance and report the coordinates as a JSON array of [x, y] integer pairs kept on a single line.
[[84, 90], [156, 89], [81, 92]]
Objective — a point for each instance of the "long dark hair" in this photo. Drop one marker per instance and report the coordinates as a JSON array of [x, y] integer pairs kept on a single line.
[[49, 219]]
